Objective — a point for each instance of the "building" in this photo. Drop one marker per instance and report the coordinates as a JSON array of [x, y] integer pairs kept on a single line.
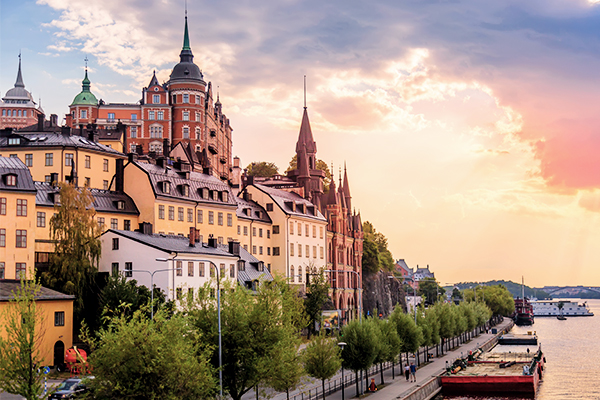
[[423, 273], [181, 110], [17, 108], [186, 264], [17, 220], [405, 272], [254, 229], [298, 238], [56, 328]]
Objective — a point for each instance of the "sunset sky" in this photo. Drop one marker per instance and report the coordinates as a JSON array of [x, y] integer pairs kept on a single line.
[[470, 129]]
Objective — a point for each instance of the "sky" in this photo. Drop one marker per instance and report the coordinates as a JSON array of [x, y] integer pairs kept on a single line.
[[470, 129]]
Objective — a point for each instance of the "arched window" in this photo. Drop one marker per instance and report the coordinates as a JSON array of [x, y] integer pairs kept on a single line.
[[292, 273], [300, 274]]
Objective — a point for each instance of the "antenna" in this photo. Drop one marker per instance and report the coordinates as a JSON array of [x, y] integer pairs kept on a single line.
[[305, 92], [86, 61]]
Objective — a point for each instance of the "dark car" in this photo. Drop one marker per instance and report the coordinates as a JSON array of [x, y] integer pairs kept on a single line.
[[71, 388]]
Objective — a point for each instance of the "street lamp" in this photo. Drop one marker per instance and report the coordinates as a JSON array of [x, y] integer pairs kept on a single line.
[[218, 311], [342, 344], [152, 282]]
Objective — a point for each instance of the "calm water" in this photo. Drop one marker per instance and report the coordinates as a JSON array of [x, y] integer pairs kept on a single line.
[[572, 350]]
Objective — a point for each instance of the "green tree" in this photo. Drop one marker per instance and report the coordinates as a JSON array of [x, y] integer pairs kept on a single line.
[[430, 290], [361, 347], [497, 298], [20, 340], [138, 358], [317, 294], [322, 165], [322, 359], [447, 322], [389, 344], [430, 326], [410, 334], [288, 373], [75, 233], [262, 169], [376, 255], [256, 328]]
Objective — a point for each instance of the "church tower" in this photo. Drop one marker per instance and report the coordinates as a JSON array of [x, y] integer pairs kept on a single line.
[[17, 106], [84, 108]]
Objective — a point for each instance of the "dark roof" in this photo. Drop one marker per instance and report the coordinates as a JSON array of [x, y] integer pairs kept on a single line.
[[104, 200], [10, 286], [285, 199], [172, 243], [196, 181], [13, 165], [109, 134], [251, 272], [251, 210], [52, 139]]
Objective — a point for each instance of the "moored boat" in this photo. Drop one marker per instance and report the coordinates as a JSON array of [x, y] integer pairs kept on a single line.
[[523, 312], [570, 308]]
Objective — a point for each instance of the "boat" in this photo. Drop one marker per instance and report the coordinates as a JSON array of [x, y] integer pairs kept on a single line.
[[495, 374], [523, 314], [571, 308]]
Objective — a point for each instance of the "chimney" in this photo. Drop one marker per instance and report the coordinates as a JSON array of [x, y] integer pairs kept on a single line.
[[249, 180], [207, 171], [247, 196], [236, 162], [166, 148], [234, 248], [40, 123], [119, 178], [145, 228], [131, 157], [139, 149], [53, 120], [65, 130], [160, 161], [192, 236], [212, 241]]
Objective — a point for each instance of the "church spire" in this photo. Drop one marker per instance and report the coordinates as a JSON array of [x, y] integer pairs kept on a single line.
[[346, 189], [186, 51], [19, 82]]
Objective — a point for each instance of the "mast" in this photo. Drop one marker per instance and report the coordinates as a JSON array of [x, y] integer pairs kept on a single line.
[[523, 289]]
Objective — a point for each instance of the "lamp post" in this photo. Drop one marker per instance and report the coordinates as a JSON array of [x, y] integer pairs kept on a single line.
[[152, 282], [342, 344], [218, 310]]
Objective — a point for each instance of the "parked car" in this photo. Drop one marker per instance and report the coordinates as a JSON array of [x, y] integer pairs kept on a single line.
[[71, 388]]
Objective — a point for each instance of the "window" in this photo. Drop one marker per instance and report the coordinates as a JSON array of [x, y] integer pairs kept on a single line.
[[133, 132], [197, 117], [134, 117], [307, 252], [186, 116], [254, 232], [174, 99], [268, 251], [2, 237], [29, 160], [179, 269], [115, 243], [105, 184], [198, 99], [314, 231], [68, 159], [253, 249], [83, 114], [292, 245], [41, 219], [59, 318], [268, 234], [275, 229], [221, 270], [211, 218], [232, 270], [245, 231], [201, 269], [220, 219], [111, 117], [101, 222], [172, 213], [321, 251], [190, 215], [186, 98], [161, 212], [200, 217], [321, 232], [166, 187], [21, 208], [246, 247], [2, 268], [127, 225], [186, 132], [269, 206], [128, 269], [220, 240], [156, 132], [21, 238], [114, 223], [229, 219], [190, 268], [314, 251], [300, 274], [299, 250], [179, 293], [292, 273], [2, 205], [105, 165], [306, 230], [20, 270], [260, 250], [150, 115], [291, 228], [239, 230], [156, 98], [180, 213], [260, 232], [49, 159], [115, 269], [11, 180], [88, 162]]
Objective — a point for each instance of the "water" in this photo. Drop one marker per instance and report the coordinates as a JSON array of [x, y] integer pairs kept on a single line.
[[572, 351]]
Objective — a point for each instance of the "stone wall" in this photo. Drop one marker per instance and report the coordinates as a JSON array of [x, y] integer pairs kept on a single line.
[[382, 293]]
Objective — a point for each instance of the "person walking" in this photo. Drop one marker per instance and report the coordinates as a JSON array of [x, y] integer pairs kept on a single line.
[[407, 372], [413, 372]]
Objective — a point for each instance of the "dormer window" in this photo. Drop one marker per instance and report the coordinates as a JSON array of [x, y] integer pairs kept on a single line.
[[300, 208], [166, 187], [215, 195], [246, 211], [120, 205], [10, 180], [14, 141], [260, 266], [204, 193], [257, 214], [56, 198], [225, 196], [241, 264], [185, 190]]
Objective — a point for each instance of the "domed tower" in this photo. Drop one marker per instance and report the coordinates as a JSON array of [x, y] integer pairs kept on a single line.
[[84, 108], [18, 109], [187, 90]]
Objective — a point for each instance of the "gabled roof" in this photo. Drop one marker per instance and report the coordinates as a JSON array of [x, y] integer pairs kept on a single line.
[[53, 139], [251, 210], [13, 165], [158, 174], [153, 81], [285, 200], [10, 286]]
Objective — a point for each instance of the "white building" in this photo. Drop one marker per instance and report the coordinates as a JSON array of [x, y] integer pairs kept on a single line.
[[179, 264]]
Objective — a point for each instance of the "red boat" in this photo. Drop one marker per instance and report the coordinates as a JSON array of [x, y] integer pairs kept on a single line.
[[523, 312]]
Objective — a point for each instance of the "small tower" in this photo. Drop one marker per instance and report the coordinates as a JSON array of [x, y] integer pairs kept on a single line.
[[84, 108]]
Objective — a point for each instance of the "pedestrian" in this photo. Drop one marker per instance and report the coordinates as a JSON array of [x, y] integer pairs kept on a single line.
[[413, 372], [407, 372]]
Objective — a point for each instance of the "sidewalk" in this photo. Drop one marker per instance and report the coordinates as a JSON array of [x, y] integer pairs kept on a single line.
[[400, 388]]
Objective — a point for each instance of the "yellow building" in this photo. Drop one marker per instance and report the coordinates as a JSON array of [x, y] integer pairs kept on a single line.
[[56, 329], [17, 220], [173, 198], [62, 157]]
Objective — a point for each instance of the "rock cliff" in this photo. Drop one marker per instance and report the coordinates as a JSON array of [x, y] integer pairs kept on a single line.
[[382, 293]]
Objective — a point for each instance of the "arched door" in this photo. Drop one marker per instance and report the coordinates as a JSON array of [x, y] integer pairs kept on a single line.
[[59, 353]]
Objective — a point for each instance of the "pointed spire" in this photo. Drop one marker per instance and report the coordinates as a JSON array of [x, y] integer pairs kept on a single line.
[[332, 196], [305, 138], [19, 82], [153, 81], [186, 36], [346, 188]]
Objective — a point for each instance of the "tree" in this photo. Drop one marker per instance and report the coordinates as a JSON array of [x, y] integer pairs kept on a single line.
[[20, 341], [77, 246], [322, 359], [376, 255], [497, 298], [446, 320], [410, 334], [361, 347], [322, 165], [287, 374], [317, 294], [256, 331], [430, 290], [262, 169], [138, 358], [389, 345]]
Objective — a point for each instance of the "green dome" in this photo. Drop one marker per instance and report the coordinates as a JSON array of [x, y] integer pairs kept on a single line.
[[85, 97]]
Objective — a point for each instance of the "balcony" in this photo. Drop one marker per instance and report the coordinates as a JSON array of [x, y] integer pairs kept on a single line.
[[223, 159], [212, 148]]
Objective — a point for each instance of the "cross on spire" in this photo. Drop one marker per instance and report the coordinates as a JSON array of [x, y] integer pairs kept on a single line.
[[86, 61], [305, 92]]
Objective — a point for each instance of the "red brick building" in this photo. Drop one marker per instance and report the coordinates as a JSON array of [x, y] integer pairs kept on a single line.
[[17, 108]]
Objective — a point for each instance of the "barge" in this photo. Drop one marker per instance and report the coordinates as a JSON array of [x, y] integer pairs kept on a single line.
[[495, 374], [515, 339], [552, 308]]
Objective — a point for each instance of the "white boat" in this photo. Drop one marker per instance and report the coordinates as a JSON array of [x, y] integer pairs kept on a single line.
[[571, 308]]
